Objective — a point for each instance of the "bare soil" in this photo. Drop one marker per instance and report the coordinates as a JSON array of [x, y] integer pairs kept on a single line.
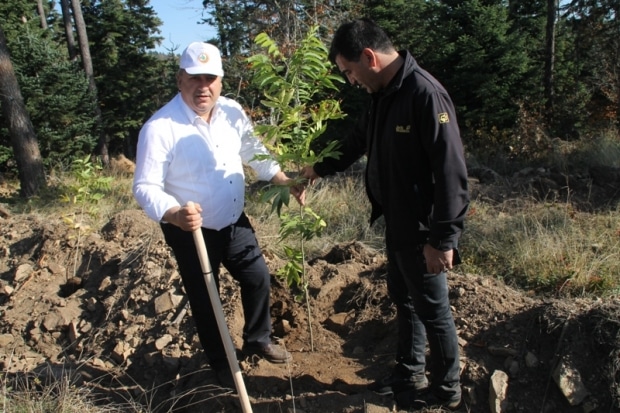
[[85, 309]]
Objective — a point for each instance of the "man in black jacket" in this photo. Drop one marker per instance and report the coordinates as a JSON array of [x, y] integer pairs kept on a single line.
[[417, 179]]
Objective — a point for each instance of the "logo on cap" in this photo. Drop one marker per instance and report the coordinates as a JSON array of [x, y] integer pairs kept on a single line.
[[203, 58]]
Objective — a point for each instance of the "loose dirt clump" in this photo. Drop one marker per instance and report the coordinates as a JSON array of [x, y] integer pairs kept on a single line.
[[108, 309]]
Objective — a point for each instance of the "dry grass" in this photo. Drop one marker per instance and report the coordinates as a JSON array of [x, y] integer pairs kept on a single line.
[[33, 393], [549, 248], [341, 201], [50, 390]]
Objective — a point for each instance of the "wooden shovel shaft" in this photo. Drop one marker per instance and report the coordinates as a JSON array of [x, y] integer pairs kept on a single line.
[[214, 295]]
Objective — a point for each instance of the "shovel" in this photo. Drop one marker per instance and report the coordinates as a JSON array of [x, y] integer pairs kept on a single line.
[[207, 272]]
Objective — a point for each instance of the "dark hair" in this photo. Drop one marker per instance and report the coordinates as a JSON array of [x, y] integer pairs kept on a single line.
[[353, 37]]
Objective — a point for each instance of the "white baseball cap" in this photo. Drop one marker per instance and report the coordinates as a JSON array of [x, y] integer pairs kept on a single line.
[[201, 58]]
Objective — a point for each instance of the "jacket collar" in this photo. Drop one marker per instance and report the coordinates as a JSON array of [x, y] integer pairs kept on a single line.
[[408, 66]]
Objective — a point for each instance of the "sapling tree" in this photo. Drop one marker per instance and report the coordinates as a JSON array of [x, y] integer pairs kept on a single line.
[[84, 193], [297, 85]]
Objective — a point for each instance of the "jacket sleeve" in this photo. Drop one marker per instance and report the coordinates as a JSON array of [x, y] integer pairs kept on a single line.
[[442, 142], [351, 148]]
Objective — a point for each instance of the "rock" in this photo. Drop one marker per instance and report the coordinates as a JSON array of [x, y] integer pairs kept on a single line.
[[22, 272], [568, 379], [166, 302], [6, 339], [91, 304], [497, 392], [56, 269], [163, 341], [105, 283], [282, 328], [52, 322], [531, 360], [337, 322], [73, 333], [512, 366], [7, 290], [121, 352]]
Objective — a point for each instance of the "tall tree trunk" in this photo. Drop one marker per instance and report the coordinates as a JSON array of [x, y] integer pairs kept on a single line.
[[66, 18], [42, 14], [617, 68], [550, 58], [80, 25], [23, 138]]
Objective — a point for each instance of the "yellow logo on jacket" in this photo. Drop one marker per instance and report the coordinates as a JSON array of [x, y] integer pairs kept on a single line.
[[443, 117], [403, 129]]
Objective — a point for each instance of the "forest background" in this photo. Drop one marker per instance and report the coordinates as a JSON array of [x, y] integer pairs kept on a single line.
[[525, 75]]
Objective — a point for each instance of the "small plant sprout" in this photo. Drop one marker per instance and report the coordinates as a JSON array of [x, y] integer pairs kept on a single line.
[[85, 192]]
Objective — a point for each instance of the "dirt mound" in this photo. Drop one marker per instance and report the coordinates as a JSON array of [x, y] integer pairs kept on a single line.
[[108, 308]]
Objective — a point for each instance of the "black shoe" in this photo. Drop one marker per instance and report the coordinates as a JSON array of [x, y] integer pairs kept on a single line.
[[270, 352], [225, 378], [396, 382], [416, 401]]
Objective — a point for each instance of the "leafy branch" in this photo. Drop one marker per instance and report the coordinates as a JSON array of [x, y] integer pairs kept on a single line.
[[297, 105]]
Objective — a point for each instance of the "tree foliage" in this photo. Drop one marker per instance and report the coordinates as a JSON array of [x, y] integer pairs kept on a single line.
[[132, 81], [55, 92], [490, 55], [471, 47], [58, 100], [23, 139], [239, 22], [595, 25]]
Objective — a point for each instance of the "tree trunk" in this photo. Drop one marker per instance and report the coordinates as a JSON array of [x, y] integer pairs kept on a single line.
[[617, 68], [66, 18], [42, 14], [80, 25], [550, 58], [23, 139]]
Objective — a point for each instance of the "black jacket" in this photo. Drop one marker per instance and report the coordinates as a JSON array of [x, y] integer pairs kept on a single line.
[[416, 174]]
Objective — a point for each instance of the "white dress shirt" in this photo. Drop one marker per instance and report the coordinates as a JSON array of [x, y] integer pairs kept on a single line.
[[182, 158]]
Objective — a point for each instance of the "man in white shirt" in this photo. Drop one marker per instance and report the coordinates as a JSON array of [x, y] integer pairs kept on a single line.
[[193, 149]]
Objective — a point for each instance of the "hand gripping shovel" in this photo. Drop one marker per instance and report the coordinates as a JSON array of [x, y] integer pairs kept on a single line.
[[207, 272]]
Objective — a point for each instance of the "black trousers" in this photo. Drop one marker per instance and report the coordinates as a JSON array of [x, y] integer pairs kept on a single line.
[[237, 249]]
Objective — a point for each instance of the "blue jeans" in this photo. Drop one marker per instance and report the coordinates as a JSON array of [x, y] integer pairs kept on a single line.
[[423, 313], [237, 249]]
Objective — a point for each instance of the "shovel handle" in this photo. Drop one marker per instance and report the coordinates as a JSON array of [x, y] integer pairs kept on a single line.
[[207, 273]]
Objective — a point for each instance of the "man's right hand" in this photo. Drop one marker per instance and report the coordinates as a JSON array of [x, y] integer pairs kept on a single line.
[[187, 217]]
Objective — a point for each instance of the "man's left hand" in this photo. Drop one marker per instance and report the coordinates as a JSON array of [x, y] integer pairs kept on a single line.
[[436, 260]]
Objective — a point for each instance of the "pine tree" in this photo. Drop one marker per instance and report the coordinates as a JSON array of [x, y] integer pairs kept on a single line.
[[132, 80], [58, 98], [54, 91], [23, 138], [596, 25]]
